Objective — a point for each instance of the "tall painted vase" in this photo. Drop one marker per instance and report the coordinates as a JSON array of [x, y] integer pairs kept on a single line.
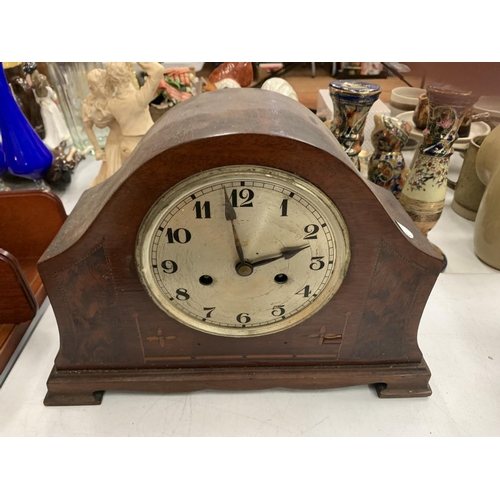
[[352, 101], [25, 153], [424, 193], [387, 166]]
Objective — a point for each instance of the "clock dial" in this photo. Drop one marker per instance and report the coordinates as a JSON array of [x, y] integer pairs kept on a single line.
[[242, 251]]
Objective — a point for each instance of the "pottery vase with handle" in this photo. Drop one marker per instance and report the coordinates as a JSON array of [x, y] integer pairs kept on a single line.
[[469, 189], [487, 225], [424, 193], [387, 166], [352, 101]]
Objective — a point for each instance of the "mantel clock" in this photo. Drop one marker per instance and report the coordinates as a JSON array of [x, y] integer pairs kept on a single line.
[[237, 249]]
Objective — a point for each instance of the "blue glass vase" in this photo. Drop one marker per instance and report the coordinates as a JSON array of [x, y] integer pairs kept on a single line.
[[25, 153]]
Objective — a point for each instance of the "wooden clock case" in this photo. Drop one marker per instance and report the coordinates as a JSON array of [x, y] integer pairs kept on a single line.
[[114, 337]]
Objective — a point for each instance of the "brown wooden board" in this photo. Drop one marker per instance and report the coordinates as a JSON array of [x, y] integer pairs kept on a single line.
[[17, 302], [110, 327], [29, 220]]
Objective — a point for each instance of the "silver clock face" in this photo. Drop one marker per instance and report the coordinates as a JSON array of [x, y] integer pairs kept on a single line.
[[242, 251]]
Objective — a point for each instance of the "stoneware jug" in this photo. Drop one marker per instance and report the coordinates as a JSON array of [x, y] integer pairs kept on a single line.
[[487, 226], [469, 189]]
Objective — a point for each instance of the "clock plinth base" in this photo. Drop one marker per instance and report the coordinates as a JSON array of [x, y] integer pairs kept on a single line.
[[86, 387]]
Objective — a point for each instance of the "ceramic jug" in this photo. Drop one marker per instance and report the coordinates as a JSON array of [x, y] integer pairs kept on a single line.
[[469, 189], [487, 226]]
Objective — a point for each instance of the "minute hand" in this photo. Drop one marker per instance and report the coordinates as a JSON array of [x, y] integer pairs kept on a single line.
[[286, 253], [231, 216]]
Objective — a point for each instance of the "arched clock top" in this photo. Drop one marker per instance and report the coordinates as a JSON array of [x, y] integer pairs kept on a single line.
[[234, 127]]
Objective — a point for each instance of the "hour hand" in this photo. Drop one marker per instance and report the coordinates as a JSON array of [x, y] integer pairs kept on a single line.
[[286, 253]]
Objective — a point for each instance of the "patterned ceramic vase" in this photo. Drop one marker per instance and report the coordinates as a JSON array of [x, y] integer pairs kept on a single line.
[[352, 101], [387, 166], [25, 153], [424, 192]]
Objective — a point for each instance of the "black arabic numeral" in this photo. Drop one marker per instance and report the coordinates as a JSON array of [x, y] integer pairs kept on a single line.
[[180, 235], [284, 208], [278, 311], [305, 292], [245, 194], [243, 318], [169, 267], [209, 313], [316, 263], [311, 231], [202, 211], [182, 294]]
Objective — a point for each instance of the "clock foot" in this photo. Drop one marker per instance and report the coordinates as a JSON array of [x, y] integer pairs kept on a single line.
[[73, 398], [403, 391], [411, 386], [63, 393]]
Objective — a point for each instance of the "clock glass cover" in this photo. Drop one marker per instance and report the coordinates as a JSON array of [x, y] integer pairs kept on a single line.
[[242, 251]]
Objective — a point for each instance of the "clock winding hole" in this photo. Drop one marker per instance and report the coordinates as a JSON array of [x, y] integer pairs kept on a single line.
[[281, 278], [206, 280]]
